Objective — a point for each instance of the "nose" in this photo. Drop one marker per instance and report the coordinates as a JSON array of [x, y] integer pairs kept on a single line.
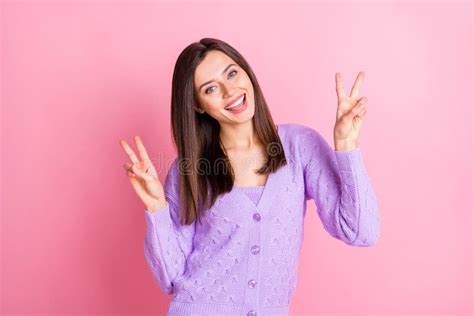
[[228, 91]]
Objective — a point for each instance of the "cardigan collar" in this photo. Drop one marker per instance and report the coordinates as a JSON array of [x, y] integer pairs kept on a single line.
[[272, 186]]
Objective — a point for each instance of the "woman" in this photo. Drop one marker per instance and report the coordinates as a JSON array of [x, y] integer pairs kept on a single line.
[[225, 231]]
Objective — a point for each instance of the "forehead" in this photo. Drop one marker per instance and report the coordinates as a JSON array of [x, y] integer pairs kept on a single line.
[[212, 66]]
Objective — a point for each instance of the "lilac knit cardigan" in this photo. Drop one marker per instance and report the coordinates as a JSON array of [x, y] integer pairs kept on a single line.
[[243, 258]]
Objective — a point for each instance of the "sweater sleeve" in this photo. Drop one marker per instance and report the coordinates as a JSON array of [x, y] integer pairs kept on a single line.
[[167, 243], [339, 184]]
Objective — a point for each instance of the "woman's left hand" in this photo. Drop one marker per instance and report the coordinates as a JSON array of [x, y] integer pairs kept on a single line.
[[350, 112]]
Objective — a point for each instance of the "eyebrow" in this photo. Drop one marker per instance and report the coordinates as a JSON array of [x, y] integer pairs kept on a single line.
[[223, 71]]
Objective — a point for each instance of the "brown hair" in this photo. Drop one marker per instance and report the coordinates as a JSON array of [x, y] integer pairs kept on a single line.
[[196, 135]]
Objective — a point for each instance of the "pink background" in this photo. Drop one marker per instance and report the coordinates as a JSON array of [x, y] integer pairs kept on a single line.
[[79, 76]]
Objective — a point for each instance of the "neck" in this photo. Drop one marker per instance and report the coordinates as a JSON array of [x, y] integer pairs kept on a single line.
[[238, 136]]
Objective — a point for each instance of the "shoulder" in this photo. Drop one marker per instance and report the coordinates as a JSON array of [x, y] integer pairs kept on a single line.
[[296, 133], [304, 143]]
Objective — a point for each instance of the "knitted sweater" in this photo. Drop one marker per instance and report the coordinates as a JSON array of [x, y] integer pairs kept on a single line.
[[254, 193], [243, 258]]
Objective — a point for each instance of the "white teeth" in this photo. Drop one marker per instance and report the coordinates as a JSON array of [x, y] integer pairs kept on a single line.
[[238, 102]]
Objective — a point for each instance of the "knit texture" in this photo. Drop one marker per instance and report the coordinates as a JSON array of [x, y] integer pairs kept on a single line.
[[243, 258], [253, 193]]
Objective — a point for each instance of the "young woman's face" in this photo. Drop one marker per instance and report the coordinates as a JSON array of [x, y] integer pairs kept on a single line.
[[219, 82]]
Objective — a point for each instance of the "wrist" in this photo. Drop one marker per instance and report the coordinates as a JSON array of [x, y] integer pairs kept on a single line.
[[345, 145], [156, 206]]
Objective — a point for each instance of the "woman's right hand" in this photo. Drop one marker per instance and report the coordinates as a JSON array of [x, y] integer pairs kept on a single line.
[[143, 177]]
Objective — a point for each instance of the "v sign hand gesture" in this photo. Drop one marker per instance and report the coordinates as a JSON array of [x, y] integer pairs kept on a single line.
[[350, 112], [143, 177]]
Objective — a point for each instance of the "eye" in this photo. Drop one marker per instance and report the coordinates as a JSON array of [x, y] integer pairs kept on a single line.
[[208, 89]]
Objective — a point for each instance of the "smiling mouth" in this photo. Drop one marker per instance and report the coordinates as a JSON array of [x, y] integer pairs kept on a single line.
[[238, 104]]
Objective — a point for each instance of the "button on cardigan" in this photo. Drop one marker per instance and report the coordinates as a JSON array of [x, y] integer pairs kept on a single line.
[[243, 258]]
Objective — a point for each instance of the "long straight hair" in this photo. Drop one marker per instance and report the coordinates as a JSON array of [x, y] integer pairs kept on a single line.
[[204, 168]]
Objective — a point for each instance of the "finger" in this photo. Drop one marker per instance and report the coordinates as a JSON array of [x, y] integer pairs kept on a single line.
[[362, 100], [357, 84], [127, 166], [128, 170], [141, 149], [142, 174], [362, 114], [339, 86], [129, 151], [137, 186], [356, 110]]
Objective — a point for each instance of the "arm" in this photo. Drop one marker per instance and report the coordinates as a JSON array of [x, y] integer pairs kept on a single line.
[[167, 244], [339, 184]]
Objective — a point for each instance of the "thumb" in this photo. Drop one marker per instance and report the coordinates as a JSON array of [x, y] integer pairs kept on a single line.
[[358, 109]]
